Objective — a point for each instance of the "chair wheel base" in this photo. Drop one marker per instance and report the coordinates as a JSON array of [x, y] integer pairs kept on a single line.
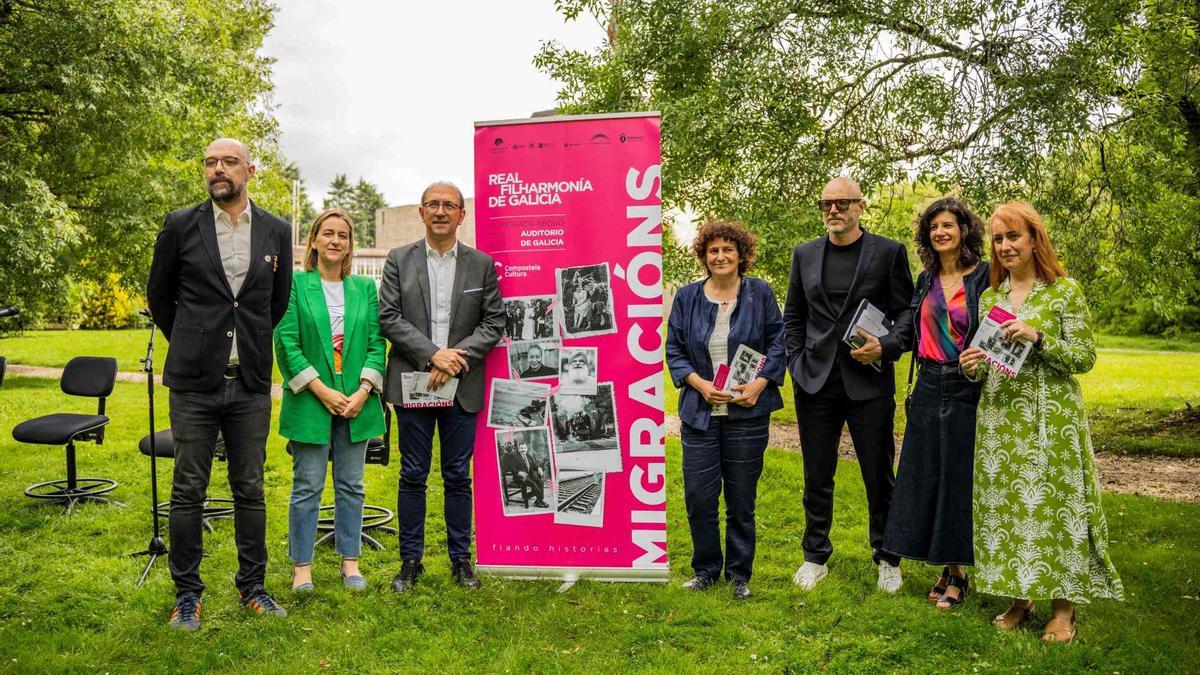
[[215, 508], [374, 517], [85, 490]]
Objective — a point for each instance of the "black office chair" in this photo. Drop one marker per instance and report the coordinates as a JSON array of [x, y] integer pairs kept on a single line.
[[215, 508], [94, 377], [379, 452]]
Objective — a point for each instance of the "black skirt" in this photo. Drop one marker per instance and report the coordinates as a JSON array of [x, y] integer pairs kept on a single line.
[[930, 514]]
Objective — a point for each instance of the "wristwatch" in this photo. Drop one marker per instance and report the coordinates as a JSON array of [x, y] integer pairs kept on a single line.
[[366, 386], [1040, 336]]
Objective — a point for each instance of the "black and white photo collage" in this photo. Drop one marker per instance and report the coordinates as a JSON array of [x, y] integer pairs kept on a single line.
[[552, 417]]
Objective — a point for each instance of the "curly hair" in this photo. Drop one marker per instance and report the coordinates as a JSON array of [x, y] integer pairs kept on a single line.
[[728, 230], [970, 229]]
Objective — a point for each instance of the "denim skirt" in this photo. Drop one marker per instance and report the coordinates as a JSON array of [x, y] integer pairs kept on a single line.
[[930, 514]]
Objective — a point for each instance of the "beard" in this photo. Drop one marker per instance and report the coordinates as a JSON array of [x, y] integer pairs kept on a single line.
[[231, 192]]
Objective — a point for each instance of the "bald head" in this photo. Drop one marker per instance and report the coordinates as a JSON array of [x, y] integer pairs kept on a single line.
[[228, 146], [841, 188]]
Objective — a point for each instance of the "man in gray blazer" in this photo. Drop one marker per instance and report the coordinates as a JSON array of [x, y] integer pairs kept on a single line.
[[439, 305]]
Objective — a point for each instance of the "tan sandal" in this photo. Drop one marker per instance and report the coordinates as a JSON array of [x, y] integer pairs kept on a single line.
[[1060, 630], [1012, 618]]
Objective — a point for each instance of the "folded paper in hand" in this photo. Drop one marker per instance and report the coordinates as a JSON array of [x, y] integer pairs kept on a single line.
[[415, 392], [870, 319], [747, 364], [1006, 355]]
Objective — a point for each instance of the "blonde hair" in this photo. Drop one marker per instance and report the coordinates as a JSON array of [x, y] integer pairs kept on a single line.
[[310, 253]]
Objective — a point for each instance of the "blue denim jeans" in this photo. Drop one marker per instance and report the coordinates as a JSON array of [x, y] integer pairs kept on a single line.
[[308, 482]]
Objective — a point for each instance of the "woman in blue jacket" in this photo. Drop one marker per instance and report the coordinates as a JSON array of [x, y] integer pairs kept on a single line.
[[724, 433]]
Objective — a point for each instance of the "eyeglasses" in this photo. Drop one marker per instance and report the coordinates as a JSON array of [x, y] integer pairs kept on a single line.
[[448, 207], [229, 162], [842, 204]]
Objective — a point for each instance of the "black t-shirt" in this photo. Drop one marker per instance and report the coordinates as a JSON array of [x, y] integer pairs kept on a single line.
[[837, 273]]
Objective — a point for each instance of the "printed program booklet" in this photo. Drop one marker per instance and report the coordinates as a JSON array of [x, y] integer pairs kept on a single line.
[[415, 393], [1007, 355], [747, 364], [872, 320]]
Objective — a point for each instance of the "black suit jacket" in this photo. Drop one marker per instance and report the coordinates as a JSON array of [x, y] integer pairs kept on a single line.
[[814, 327], [193, 305], [477, 317]]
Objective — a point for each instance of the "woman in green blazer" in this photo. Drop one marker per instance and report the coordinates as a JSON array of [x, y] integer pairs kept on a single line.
[[332, 357]]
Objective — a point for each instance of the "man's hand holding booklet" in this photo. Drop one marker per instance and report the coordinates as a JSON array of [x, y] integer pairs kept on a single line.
[[867, 319]]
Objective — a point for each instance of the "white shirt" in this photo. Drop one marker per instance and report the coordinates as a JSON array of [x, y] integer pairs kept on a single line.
[[233, 242], [718, 344], [335, 302], [441, 287]]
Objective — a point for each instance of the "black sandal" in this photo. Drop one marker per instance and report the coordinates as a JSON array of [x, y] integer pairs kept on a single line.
[[963, 584], [935, 593]]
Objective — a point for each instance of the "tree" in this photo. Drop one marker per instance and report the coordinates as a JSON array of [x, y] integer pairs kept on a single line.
[[764, 101], [359, 201], [367, 199], [105, 108]]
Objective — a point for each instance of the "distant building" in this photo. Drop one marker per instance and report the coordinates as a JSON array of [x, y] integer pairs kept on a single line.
[[394, 226]]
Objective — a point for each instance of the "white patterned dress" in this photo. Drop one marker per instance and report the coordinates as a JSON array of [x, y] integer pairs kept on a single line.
[[1040, 532]]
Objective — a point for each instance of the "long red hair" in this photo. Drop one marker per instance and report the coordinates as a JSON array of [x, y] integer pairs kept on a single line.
[[1045, 261]]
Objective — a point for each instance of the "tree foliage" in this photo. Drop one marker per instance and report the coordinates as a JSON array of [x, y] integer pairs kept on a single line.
[[360, 200], [105, 109], [1054, 101]]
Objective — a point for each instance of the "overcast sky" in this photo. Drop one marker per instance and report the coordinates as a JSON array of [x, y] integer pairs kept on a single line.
[[390, 91]]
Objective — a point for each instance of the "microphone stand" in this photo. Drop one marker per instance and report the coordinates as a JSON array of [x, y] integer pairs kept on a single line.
[[156, 548]]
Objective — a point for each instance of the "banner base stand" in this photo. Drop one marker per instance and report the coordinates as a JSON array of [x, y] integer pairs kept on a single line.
[[570, 575]]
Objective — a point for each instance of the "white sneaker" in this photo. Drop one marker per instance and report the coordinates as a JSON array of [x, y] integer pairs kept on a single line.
[[809, 574], [890, 580]]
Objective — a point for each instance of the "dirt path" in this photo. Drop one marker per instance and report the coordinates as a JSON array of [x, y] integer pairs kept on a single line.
[[1165, 477]]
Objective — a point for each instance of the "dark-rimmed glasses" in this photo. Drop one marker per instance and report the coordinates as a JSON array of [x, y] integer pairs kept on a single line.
[[448, 207], [842, 204], [230, 162]]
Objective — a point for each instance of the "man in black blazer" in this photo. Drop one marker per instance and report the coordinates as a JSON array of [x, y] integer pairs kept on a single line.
[[219, 282], [439, 305], [836, 385]]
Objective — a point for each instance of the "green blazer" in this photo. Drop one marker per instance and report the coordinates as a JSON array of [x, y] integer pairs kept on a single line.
[[304, 350]]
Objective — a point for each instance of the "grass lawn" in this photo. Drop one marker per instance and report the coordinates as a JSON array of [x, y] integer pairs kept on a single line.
[[68, 600]]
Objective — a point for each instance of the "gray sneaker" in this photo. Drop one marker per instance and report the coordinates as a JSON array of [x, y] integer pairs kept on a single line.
[[186, 615], [262, 603]]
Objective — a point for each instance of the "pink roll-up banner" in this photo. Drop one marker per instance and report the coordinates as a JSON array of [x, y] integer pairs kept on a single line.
[[569, 457]]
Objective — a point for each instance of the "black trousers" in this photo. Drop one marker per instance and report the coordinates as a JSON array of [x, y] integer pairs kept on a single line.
[[532, 485], [821, 417], [727, 457], [456, 436], [244, 418]]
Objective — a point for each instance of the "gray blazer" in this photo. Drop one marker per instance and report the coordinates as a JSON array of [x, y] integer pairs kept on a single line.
[[476, 317]]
